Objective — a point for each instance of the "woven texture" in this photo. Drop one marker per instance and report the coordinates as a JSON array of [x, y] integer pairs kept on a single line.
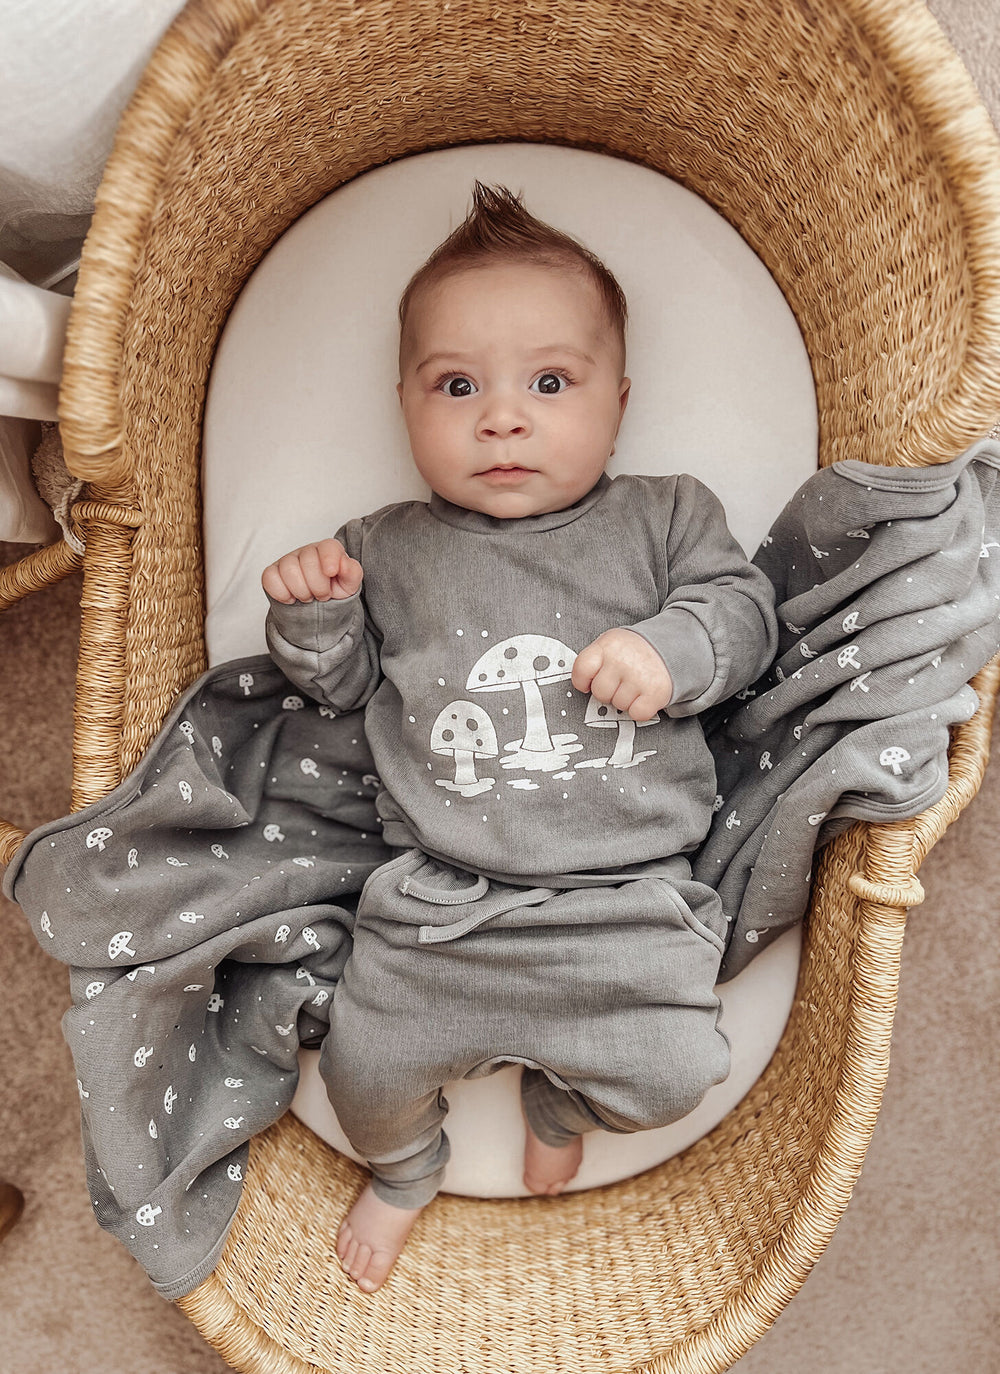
[[847, 145]]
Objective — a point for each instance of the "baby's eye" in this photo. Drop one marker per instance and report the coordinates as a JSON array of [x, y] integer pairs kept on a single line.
[[549, 384], [459, 386]]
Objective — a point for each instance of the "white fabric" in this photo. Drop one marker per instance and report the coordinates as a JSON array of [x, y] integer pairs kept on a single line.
[[303, 431]]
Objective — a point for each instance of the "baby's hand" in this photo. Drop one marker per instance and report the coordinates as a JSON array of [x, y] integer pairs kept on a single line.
[[317, 572], [621, 669]]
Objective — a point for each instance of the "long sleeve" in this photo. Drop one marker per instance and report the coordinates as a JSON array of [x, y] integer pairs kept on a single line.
[[328, 648], [716, 630]]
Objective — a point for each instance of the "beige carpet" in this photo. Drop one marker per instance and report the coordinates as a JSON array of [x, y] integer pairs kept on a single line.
[[910, 1283]]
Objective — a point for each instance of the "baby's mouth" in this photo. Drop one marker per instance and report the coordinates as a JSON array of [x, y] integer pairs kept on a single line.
[[505, 472]]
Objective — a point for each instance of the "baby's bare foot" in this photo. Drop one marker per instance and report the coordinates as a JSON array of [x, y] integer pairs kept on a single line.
[[548, 1168], [371, 1238]]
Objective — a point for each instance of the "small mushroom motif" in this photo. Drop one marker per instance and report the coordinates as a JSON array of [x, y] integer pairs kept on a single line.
[[133, 858], [371, 780], [463, 731], [45, 923], [893, 757], [94, 990], [850, 623], [282, 934], [187, 730], [246, 682], [311, 938], [118, 944], [142, 1054], [301, 973], [861, 681], [185, 790], [192, 1053], [601, 716], [765, 761], [233, 1122], [272, 833], [816, 817], [169, 1098], [153, 1132], [98, 838], [178, 863], [81, 1089], [718, 803], [215, 1002], [752, 936], [309, 768], [849, 657], [805, 650], [147, 1214], [292, 703], [731, 820], [235, 1173], [328, 713], [193, 987], [219, 852], [285, 1030], [217, 746], [143, 968], [857, 534], [304, 863], [191, 917], [233, 1082], [321, 997]]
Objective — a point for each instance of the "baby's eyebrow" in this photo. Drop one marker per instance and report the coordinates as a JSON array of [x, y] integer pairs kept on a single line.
[[433, 358], [547, 349]]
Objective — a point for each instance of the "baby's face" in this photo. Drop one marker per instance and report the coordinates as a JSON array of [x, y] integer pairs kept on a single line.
[[512, 388]]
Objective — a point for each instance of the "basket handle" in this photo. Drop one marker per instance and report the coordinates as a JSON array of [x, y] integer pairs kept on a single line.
[[42, 568]]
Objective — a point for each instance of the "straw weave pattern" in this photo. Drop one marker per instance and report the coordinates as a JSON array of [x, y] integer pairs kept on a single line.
[[845, 142]]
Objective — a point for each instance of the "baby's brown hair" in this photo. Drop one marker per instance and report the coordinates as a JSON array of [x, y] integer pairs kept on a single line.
[[499, 229]]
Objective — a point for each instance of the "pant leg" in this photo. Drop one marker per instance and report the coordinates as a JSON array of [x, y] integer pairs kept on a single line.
[[676, 1050]]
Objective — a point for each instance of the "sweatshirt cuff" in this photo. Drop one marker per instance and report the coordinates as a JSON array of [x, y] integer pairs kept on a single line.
[[310, 624], [686, 649]]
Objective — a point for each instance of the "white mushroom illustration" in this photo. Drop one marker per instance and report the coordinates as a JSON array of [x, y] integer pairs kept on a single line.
[[215, 1002], [217, 746], [133, 858], [169, 1098], [304, 973], [272, 833], [46, 924], [144, 968], [892, 758], [282, 934], [235, 1173], [246, 682], [321, 997], [98, 838], [528, 662], [463, 731], [309, 768], [147, 1214], [185, 790], [233, 1082], [141, 1055], [118, 944], [187, 730], [310, 937], [604, 717], [153, 1132], [303, 862], [233, 1122], [94, 990], [219, 852], [191, 917], [292, 704]]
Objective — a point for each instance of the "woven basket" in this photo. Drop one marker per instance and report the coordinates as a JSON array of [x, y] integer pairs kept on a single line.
[[845, 142]]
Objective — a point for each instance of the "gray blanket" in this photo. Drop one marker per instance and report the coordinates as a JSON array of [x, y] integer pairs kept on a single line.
[[205, 907], [887, 584]]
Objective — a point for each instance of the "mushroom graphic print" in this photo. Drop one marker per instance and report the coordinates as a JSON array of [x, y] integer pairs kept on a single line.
[[604, 717], [529, 662], [464, 731]]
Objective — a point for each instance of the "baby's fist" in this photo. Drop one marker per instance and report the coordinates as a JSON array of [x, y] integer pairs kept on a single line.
[[624, 671], [316, 572]]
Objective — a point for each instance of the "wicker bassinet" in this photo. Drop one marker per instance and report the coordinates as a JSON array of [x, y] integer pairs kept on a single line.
[[845, 142]]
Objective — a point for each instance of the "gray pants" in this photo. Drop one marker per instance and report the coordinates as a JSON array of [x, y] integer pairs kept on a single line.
[[605, 994]]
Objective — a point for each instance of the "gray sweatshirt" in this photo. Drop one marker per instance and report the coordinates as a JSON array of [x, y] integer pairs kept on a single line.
[[461, 644]]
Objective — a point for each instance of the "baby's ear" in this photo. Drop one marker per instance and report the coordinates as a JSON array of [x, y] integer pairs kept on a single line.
[[399, 392]]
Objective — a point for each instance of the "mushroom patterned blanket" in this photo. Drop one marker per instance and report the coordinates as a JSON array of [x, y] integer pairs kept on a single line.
[[887, 582], [205, 909]]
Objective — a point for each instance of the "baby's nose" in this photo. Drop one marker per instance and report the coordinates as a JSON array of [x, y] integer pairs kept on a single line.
[[502, 420]]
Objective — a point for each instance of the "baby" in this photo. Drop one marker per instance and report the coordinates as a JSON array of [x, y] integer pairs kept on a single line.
[[532, 648]]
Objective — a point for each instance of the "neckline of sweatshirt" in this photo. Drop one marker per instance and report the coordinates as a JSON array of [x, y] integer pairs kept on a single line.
[[479, 523]]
